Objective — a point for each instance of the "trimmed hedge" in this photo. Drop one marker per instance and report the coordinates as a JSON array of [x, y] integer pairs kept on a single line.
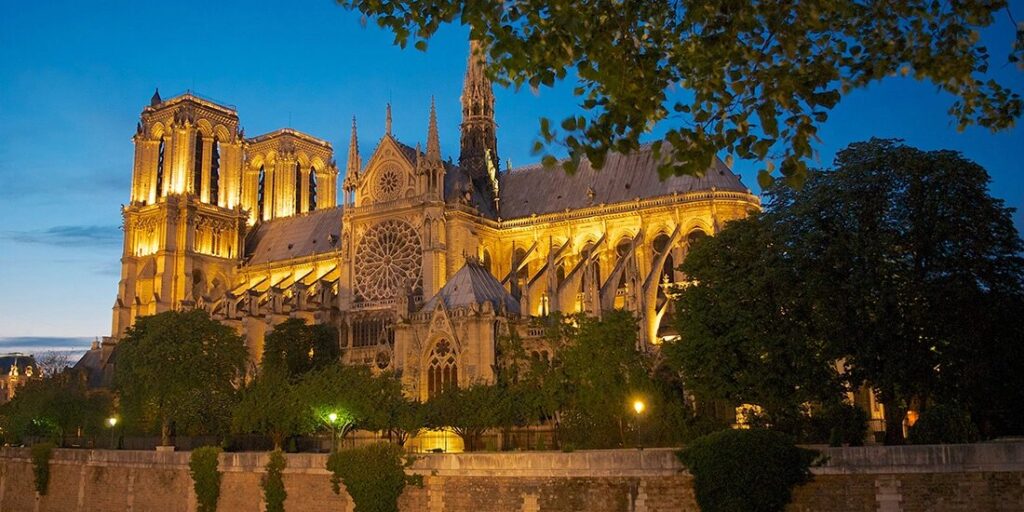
[[374, 476], [752, 470], [202, 466], [41, 454], [273, 482]]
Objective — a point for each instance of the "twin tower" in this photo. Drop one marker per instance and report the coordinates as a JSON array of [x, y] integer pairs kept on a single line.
[[199, 186]]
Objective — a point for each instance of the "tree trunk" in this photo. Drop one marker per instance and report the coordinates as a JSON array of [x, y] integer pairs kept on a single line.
[[278, 439], [165, 432]]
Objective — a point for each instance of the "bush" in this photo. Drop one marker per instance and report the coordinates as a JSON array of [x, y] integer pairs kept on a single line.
[[273, 482], [41, 454], [202, 466], [944, 423], [374, 476], [752, 470], [838, 424]]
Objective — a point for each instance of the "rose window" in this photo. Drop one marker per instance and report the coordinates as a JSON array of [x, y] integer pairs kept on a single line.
[[389, 184], [388, 261]]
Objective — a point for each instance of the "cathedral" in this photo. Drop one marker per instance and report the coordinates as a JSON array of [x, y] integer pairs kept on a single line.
[[425, 262]]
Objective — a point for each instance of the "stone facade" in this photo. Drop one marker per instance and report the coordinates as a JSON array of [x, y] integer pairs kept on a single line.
[[954, 478]]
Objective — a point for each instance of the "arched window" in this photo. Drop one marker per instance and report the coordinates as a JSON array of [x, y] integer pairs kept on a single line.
[[215, 172], [522, 274], [312, 188], [298, 188], [442, 368], [261, 185], [593, 275], [197, 166], [160, 169], [622, 251], [560, 274], [661, 245]]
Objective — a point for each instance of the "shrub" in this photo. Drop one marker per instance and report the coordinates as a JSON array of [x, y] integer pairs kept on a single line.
[[944, 423], [41, 454], [838, 424], [753, 470], [202, 466], [374, 476], [273, 482]]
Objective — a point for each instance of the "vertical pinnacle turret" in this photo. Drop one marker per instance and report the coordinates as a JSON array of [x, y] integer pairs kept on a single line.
[[433, 139], [479, 140], [387, 120], [155, 100], [353, 152]]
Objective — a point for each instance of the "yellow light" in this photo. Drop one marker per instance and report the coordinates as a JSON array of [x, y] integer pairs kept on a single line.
[[332, 417], [112, 421], [638, 406]]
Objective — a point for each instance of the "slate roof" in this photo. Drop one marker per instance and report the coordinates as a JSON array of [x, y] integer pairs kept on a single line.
[[22, 360], [473, 285], [99, 373], [537, 189], [294, 237]]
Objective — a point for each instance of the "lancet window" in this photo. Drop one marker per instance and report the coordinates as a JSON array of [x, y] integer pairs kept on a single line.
[[197, 166], [442, 368], [312, 188], [215, 172]]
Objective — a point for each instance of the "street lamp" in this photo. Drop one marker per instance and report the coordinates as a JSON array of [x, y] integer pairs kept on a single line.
[[112, 421], [638, 407], [332, 418]]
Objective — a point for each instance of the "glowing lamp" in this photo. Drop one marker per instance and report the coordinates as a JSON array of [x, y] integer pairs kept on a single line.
[[638, 406]]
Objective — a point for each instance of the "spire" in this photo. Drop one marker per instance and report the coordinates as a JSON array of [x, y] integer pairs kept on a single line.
[[387, 120], [353, 152], [479, 141], [155, 100], [433, 139]]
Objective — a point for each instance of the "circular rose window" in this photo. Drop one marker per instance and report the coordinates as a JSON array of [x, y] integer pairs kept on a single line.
[[388, 261], [388, 185]]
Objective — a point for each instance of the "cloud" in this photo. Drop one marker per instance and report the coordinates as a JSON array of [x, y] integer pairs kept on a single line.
[[74, 346], [69, 236]]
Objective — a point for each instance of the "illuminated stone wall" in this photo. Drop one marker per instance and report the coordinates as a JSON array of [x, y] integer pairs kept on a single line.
[[987, 477]]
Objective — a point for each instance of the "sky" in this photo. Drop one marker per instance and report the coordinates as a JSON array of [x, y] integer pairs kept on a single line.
[[74, 77]]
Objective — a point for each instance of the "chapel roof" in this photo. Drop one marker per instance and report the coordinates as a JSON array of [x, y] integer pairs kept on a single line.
[[473, 285], [294, 237]]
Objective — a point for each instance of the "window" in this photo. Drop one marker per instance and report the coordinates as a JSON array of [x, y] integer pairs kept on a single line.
[[312, 188], [298, 188], [442, 368], [372, 331], [260, 192], [160, 169], [197, 166], [215, 172], [486, 260]]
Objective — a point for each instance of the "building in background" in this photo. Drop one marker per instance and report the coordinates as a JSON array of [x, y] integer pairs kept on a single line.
[[15, 370]]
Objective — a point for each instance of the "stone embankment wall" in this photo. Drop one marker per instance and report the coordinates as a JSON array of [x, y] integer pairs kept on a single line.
[[980, 477]]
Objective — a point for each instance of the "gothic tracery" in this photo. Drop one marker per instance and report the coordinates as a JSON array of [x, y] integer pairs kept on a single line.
[[388, 261]]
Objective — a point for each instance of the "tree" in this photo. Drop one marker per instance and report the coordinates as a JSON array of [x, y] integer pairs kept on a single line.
[[393, 413], [297, 348], [179, 368], [271, 404], [906, 245], [52, 362], [898, 264], [346, 391], [56, 406], [603, 374], [753, 79], [468, 411], [745, 330]]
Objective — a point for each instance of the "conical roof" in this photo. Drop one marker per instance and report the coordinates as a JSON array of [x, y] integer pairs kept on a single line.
[[473, 285]]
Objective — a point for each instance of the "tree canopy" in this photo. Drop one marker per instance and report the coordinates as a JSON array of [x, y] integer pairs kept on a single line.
[[180, 369], [753, 79], [898, 265]]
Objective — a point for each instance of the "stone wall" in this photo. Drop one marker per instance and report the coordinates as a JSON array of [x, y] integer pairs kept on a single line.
[[986, 477]]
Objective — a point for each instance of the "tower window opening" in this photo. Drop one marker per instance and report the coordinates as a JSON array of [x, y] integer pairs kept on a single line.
[[260, 192], [298, 187], [197, 166], [312, 188], [215, 172], [160, 169], [442, 368]]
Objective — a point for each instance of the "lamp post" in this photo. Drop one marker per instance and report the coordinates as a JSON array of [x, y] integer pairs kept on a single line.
[[332, 418], [112, 421], [638, 407]]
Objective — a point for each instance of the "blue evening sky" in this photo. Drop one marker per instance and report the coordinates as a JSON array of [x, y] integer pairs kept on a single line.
[[74, 77]]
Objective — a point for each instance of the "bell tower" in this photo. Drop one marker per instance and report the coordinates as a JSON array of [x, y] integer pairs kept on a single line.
[[183, 225], [479, 143]]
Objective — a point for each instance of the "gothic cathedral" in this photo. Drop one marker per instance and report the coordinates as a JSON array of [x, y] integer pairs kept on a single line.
[[426, 262]]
